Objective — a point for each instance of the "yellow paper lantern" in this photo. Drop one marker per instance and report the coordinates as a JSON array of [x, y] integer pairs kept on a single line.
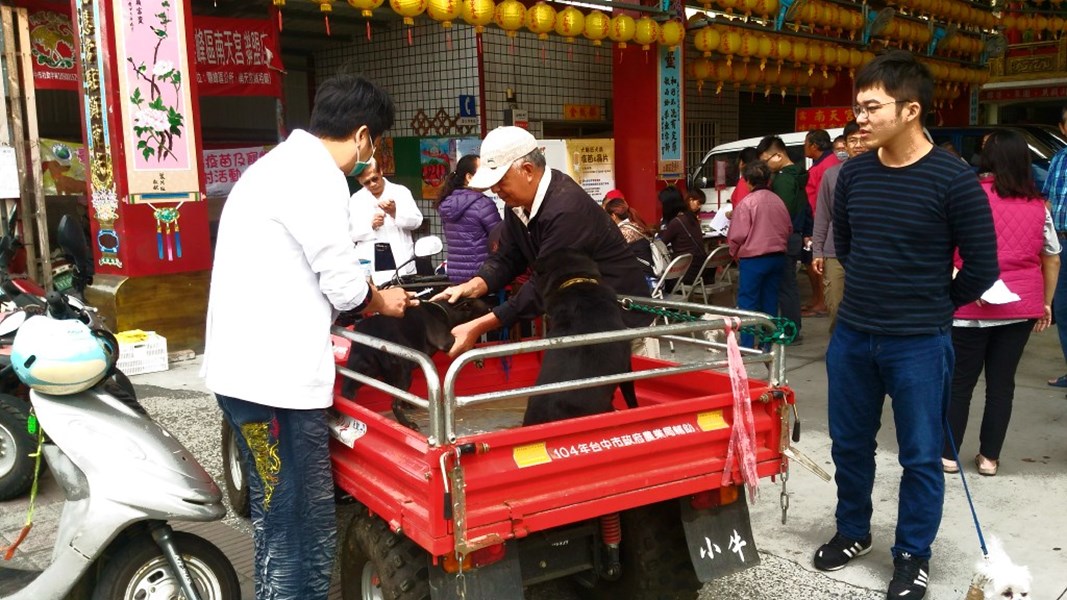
[[706, 40], [444, 11], [781, 49], [570, 22], [597, 26], [325, 7], [478, 13], [763, 50], [541, 19], [622, 29], [728, 5], [748, 44], [766, 8], [510, 15], [409, 9], [646, 32], [671, 34], [843, 57], [365, 7], [729, 44], [702, 69], [799, 52], [722, 74], [748, 6], [754, 77], [738, 73]]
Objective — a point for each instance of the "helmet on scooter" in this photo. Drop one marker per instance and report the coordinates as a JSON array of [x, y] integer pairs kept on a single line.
[[61, 356]]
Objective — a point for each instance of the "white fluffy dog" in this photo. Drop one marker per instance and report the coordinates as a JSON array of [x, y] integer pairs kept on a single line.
[[996, 577]]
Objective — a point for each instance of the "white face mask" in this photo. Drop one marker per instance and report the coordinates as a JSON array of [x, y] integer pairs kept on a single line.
[[841, 155]]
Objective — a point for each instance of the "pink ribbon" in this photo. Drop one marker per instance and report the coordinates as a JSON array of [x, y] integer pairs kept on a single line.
[[743, 431]]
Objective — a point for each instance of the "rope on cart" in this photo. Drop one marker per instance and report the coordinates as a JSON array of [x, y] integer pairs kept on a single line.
[[784, 332]]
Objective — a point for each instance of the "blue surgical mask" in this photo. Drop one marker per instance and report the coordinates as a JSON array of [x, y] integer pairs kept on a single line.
[[841, 155], [360, 165]]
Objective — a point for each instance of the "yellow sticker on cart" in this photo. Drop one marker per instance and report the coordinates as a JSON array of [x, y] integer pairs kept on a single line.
[[710, 421], [531, 455]]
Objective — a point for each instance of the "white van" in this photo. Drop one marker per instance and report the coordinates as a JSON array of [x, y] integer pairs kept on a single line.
[[717, 173]]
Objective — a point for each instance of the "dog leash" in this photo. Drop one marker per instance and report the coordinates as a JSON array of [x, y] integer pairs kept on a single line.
[[966, 489]]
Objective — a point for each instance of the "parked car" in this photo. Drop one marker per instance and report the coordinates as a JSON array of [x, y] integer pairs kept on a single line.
[[717, 172], [968, 143]]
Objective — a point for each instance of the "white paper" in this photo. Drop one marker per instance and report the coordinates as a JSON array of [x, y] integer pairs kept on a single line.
[[9, 173], [999, 294], [720, 223]]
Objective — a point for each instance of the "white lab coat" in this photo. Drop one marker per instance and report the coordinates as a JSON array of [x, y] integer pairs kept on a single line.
[[362, 207], [284, 262]]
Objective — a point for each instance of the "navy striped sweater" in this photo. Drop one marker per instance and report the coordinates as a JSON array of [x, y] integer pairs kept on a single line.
[[896, 229]]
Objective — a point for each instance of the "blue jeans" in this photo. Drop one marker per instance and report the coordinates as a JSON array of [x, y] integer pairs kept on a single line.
[[1059, 300], [290, 486], [757, 288], [916, 372]]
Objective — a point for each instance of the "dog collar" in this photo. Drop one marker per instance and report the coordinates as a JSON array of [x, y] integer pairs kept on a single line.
[[574, 280]]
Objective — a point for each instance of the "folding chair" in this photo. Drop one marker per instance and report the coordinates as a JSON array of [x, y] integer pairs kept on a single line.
[[718, 262], [673, 273]]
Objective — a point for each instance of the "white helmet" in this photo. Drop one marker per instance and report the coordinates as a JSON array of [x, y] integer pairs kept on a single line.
[[61, 356]]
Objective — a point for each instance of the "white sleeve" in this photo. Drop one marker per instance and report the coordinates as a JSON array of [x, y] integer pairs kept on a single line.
[[408, 215], [360, 215], [1052, 240]]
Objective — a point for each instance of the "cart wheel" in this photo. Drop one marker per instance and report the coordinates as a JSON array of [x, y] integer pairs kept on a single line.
[[377, 563], [655, 558], [233, 470], [16, 446]]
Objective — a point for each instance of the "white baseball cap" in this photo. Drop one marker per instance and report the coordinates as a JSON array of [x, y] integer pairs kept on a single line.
[[502, 147]]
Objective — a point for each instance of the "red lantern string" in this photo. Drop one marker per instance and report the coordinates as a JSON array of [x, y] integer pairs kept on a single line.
[[570, 53], [326, 18], [448, 38], [368, 30], [410, 43], [279, 21], [478, 42]]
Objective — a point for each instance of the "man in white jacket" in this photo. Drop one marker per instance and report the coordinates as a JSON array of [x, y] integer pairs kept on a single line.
[[383, 212], [284, 228]]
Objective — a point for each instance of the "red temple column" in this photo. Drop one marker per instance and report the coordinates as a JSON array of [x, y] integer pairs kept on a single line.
[[140, 115]]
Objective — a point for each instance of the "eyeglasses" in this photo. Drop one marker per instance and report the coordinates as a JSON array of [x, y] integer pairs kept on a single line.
[[871, 108], [371, 180]]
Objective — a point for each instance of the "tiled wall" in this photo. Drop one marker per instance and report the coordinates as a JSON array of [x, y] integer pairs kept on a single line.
[[710, 118]]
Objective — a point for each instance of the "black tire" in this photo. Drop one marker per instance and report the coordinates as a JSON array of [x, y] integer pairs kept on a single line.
[[655, 558], [377, 563], [234, 471], [136, 570], [16, 446]]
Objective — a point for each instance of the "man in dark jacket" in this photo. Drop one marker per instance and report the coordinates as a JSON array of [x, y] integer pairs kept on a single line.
[[546, 211]]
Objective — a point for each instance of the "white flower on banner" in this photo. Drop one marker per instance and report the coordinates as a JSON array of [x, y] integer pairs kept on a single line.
[[162, 68]]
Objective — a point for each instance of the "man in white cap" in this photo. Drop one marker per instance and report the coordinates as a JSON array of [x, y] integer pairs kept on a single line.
[[547, 211]]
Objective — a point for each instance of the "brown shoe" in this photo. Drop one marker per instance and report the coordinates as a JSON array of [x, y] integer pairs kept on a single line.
[[949, 465], [986, 467]]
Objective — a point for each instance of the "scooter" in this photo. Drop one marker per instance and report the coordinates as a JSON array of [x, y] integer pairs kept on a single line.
[[16, 445], [124, 477]]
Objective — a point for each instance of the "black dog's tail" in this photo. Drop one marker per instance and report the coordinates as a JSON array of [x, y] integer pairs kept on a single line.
[[627, 388]]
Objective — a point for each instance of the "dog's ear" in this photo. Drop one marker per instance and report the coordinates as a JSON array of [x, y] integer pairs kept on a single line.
[[438, 323]]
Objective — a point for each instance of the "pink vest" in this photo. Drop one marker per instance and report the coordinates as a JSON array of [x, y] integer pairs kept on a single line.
[[1020, 240]]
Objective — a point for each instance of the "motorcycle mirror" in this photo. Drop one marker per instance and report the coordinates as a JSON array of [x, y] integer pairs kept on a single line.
[[428, 246], [11, 322], [72, 241]]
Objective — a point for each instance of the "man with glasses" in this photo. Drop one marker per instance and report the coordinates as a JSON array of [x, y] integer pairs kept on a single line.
[[1055, 189], [900, 211], [824, 257], [788, 183], [546, 211], [284, 226], [382, 216]]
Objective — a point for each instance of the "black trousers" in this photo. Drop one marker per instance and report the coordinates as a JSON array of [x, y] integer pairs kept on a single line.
[[997, 350]]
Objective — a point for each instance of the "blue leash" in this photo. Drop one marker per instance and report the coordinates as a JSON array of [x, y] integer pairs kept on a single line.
[[966, 490]]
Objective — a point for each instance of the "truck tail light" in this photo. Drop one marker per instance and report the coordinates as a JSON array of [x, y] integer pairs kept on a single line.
[[479, 558], [712, 498]]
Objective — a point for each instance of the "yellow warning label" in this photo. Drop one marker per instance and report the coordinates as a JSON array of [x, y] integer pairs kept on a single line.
[[710, 421], [531, 455]]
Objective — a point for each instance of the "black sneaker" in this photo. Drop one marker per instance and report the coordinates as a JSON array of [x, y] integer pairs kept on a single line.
[[910, 577], [836, 553]]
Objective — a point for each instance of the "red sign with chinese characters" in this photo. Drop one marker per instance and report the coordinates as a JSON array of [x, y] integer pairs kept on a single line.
[[823, 117], [1026, 93], [55, 64], [237, 57]]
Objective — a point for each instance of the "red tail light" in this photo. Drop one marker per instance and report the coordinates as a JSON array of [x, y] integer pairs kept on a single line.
[[712, 498], [478, 558]]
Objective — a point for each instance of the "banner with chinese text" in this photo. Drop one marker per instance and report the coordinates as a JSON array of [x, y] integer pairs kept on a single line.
[[237, 57], [591, 163], [823, 117], [157, 107], [55, 65], [671, 140], [222, 168], [433, 158]]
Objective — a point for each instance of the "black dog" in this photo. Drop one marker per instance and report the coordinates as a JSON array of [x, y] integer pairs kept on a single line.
[[576, 302], [426, 328]]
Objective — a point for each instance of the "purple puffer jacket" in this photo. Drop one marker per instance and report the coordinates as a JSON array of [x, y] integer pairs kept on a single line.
[[468, 217]]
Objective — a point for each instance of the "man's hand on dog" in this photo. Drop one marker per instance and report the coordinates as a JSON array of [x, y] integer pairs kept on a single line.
[[473, 288], [392, 302]]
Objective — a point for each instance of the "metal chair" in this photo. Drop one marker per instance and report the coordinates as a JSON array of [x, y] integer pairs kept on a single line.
[[718, 263], [673, 273]]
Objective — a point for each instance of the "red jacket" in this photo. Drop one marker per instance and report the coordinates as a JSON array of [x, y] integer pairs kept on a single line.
[[815, 174]]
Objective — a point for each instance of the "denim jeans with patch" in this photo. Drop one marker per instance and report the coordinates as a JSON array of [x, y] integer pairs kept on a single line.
[[286, 455], [916, 372]]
